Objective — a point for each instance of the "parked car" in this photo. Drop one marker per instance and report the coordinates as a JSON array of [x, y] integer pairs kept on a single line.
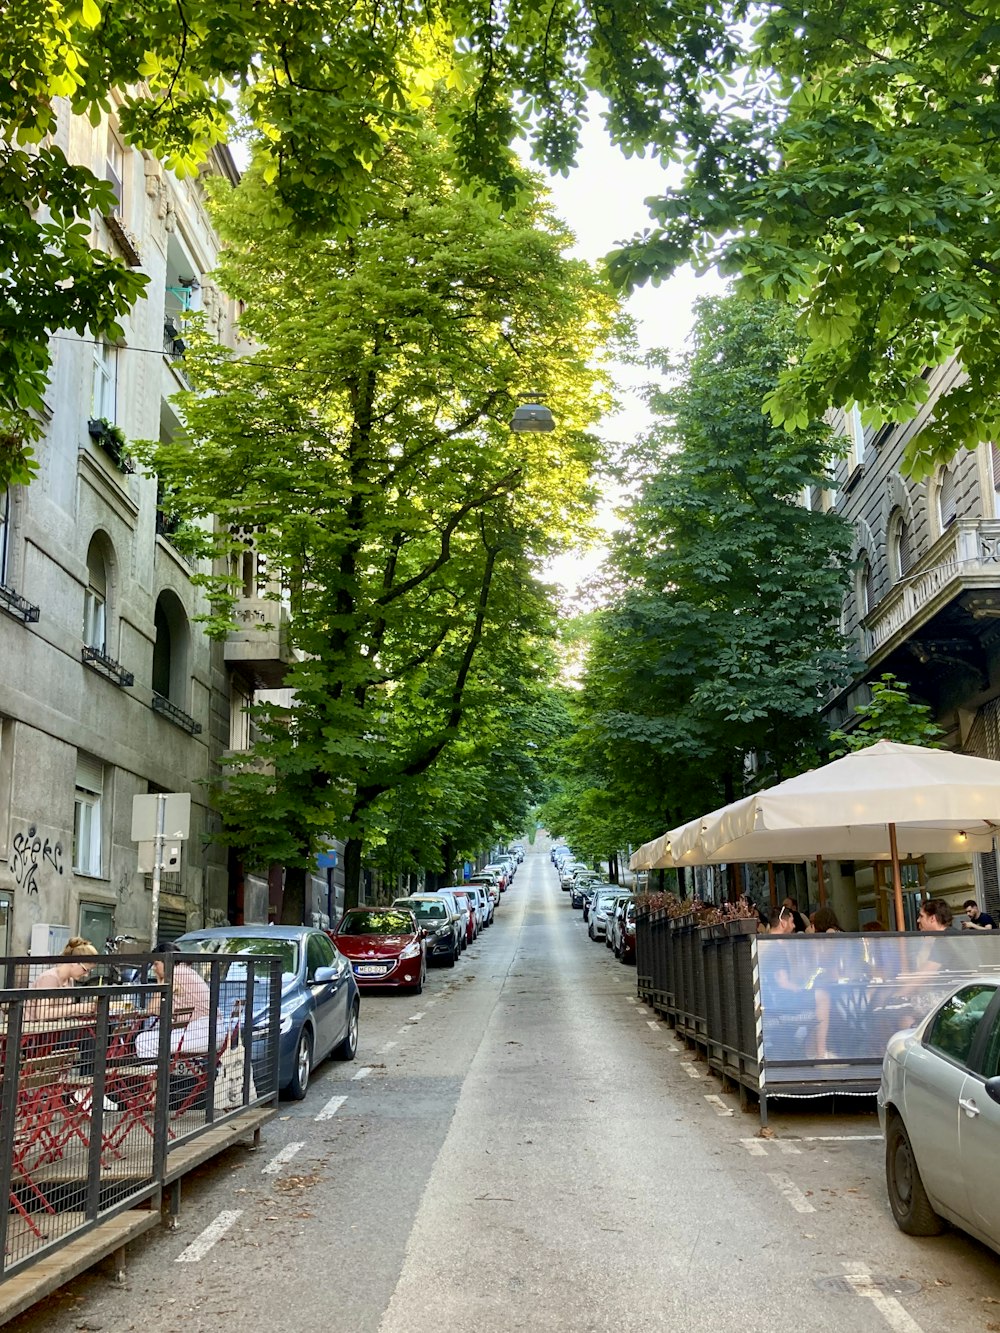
[[501, 872], [517, 849], [458, 910], [939, 1106], [616, 920], [320, 1002], [569, 872], [601, 906], [441, 924], [490, 882], [385, 947], [626, 948], [466, 903]]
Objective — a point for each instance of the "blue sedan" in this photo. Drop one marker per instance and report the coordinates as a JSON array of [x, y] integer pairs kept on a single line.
[[320, 1002]]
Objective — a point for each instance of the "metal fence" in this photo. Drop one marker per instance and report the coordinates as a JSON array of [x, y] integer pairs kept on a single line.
[[799, 1015], [102, 1082]]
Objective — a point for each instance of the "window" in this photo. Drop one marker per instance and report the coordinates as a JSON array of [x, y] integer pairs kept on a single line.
[[240, 700], [947, 498], [95, 600], [4, 533], [114, 168], [170, 650], [954, 1029], [87, 815], [900, 547], [866, 587], [105, 390], [319, 953], [6, 921]]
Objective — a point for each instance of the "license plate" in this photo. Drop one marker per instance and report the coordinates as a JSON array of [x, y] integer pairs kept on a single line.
[[370, 969]]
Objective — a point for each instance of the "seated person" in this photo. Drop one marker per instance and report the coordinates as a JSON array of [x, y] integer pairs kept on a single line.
[[62, 976], [189, 991]]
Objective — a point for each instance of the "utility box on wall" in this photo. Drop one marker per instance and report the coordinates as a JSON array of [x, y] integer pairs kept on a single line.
[[47, 940]]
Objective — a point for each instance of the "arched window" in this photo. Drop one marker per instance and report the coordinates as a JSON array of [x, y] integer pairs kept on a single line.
[[170, 650], [95, 599], [900, 546], [947, 499], [866, 587]]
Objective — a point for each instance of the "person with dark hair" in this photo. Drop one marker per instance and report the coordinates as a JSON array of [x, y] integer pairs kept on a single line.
[[825, 919], [800, 925], [934, 915], [976, 920]]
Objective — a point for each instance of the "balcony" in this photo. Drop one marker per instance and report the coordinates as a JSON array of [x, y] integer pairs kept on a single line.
[[963, 566], [259, 644]]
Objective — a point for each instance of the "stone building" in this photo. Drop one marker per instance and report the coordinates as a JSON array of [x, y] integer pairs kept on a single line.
[[925, 606], [109, 688]]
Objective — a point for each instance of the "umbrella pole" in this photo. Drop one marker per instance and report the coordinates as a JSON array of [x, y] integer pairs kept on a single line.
[[897, 881], [821, 881], [772, 885]]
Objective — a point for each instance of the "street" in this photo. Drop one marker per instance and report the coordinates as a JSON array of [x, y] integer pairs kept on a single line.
[[525, 1147]]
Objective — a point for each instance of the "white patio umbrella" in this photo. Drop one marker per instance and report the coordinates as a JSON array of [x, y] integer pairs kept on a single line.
[[653, 855], [872, 803]]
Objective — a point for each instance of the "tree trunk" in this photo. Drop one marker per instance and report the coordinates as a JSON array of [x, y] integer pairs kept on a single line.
[[613, 867], [293, 900], [352, 872], [447, 868]]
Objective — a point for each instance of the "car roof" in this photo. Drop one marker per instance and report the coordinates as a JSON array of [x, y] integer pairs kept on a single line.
[[249, 933]]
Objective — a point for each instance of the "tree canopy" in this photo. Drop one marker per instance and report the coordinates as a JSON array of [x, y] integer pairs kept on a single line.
[[721, 633], [364, 451]]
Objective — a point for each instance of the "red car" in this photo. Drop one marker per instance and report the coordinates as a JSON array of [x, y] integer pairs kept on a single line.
[[465, 900], [384, 945]]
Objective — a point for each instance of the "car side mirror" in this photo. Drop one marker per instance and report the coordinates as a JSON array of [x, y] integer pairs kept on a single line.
[[323, 975], [993, 1088]]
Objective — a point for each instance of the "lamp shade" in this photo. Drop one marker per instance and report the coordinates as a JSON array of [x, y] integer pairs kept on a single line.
[[532, 417]]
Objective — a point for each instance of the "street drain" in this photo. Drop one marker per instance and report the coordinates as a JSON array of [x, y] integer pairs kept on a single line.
[[892, 1286]]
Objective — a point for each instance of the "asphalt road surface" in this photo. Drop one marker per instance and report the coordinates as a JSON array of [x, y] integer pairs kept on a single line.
[[524, 1147]]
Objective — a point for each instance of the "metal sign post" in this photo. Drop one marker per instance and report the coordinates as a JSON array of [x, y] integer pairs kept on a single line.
[[154, 902], [157, 819]]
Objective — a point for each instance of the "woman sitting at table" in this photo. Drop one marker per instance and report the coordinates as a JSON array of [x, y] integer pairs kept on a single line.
[[62, 976], [190, 993]]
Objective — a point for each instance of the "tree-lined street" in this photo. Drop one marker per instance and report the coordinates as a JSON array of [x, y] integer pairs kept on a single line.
[[525, 1146]]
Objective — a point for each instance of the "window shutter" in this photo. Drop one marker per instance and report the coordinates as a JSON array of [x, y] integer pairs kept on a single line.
[[89, 773], [948, 498], [905, 550]]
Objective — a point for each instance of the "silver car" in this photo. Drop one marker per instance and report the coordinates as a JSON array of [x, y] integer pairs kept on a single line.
[[939, 1105], [600, 909]]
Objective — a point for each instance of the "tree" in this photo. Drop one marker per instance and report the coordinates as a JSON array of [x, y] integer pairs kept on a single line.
[[321, 88], [889, 715], [366, 449], [721, 636], [853, 172]]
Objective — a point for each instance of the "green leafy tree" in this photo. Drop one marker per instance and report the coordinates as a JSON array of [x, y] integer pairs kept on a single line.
[[722, 636], [366, 445], [321, 87], [889, 715], [852, 171]]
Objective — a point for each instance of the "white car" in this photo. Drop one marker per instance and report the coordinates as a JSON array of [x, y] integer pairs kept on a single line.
[[602, 906], [939, 1105]]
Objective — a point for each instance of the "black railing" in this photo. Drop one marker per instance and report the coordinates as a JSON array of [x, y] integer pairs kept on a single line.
[[106, 666], [176, 715], [102, 1083], [17, 606]]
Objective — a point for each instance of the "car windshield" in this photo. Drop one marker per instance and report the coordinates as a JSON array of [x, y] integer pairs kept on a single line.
[[428, 911], [258, 945], [376, 923]]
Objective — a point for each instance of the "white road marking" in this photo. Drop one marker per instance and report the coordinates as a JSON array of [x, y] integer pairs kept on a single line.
[[630, 999], [690, 1070], [388, 1047], [415, 1018], [201, 1245], [672, 1047], [331, 1108], [887, 1306], [282, 1158], [363, 1072], [652, 1023], [791, 1192], [715, 1100], [430, 1002], [789, 1149], [754, 1147], [842, 1138]]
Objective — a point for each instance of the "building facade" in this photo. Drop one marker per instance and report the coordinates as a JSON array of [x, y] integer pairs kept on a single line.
[[925, 607]]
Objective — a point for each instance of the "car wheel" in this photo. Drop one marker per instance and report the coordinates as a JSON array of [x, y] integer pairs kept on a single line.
[[590, 932], [299, 1085], [347, 1049], [450, 960], [907, 1197], [420, 984]]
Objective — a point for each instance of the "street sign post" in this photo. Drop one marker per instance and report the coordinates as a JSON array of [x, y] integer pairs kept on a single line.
[[160, 823]]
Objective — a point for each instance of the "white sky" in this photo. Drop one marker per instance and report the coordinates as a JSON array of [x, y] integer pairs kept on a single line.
[[602, 201]]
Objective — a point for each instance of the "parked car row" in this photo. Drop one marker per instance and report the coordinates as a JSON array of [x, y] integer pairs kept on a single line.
[[608, 911]]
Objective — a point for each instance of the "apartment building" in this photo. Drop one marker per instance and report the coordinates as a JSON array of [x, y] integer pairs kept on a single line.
[[925, 606]]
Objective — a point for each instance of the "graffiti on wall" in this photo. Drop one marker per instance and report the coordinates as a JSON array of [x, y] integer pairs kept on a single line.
[[29, 855]]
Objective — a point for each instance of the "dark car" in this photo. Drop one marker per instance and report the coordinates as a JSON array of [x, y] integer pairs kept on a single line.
[[320, 1002], [385, 947], [434, 916]]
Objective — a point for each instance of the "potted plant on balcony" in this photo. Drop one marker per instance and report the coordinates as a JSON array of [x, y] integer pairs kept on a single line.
[[111, 439], [740, 917]]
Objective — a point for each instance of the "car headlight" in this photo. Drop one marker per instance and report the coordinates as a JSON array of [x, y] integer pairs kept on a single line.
[[411, 950], [285, 1023]]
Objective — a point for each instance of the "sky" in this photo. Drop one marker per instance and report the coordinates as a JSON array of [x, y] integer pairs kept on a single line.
[[602, 202]]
